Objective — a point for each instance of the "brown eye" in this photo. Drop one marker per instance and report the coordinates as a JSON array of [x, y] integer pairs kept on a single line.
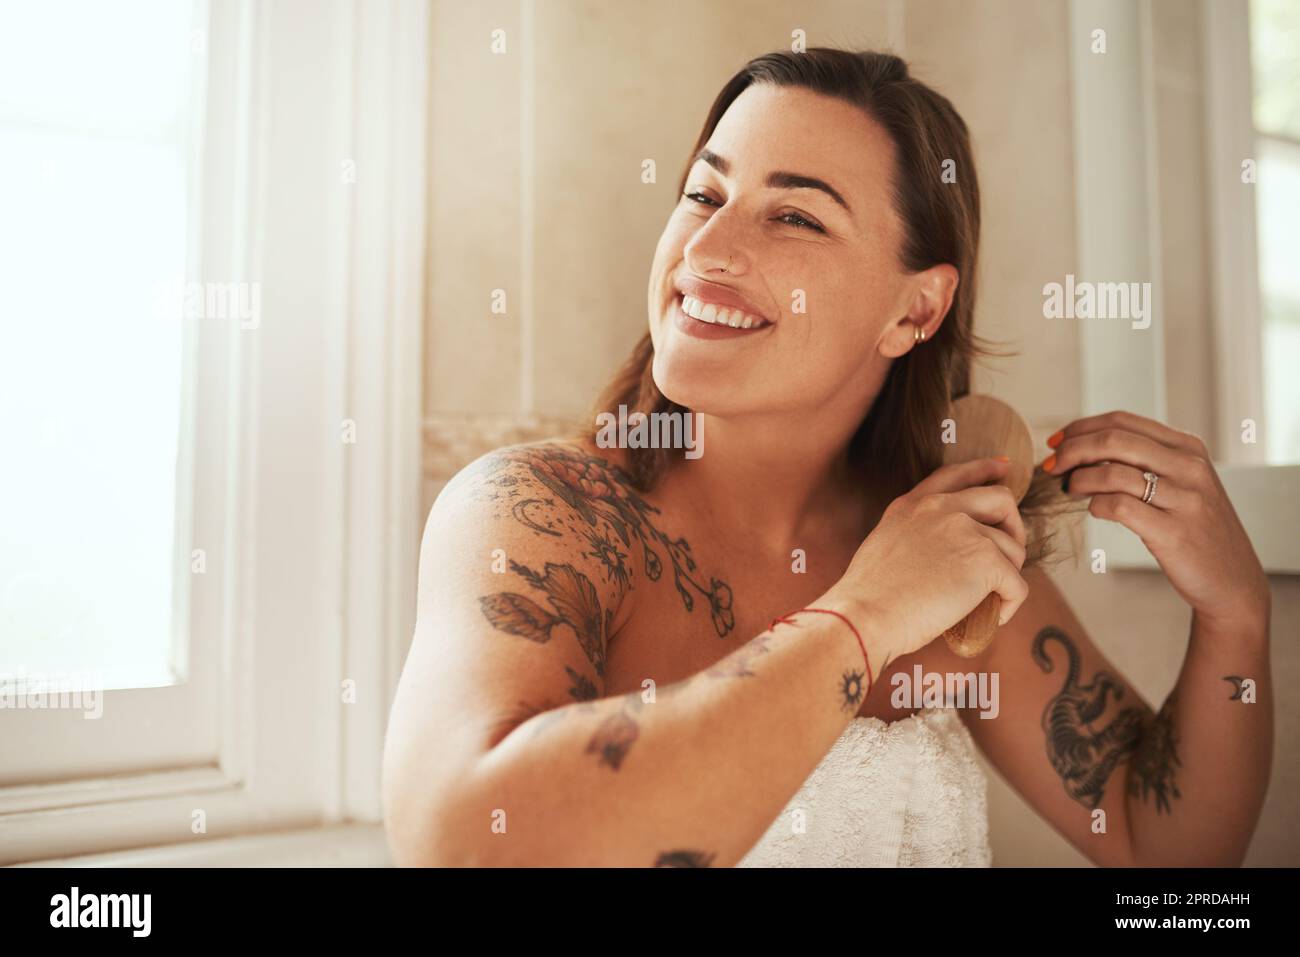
[[698, 197], [794, 219]]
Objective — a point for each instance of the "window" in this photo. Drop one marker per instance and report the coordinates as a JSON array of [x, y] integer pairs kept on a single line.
[[1250, 232], [1275, 68], [212, 235], [100, 105]]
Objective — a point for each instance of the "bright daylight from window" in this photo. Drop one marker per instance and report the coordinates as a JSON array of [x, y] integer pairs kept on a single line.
[[95, 126], [1275, 34]]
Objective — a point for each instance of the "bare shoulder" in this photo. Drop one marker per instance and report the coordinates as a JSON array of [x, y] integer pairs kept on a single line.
[[574, 496], [565, 469], [556, 512], [551, 492], [522, 577]]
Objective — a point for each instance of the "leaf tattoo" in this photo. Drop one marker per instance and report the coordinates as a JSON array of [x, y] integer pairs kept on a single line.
[[583, 689], [574, 600], [517, 615]]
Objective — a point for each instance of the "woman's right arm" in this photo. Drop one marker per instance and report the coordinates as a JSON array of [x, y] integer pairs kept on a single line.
[[691, 778], [485, 764]]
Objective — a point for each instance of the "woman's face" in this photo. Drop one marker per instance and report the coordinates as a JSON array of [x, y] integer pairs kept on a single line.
[[791, 197]]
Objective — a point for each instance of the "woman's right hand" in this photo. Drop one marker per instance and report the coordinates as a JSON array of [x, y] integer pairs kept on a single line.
[[935, 554]]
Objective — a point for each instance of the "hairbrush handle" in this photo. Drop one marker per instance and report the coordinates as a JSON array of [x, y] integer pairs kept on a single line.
[[986, 426], [970, 636]]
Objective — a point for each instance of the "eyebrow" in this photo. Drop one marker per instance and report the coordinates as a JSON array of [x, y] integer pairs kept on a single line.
[[779, 179]]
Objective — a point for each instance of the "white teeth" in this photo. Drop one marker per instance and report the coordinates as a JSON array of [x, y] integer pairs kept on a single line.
[[719, 315]]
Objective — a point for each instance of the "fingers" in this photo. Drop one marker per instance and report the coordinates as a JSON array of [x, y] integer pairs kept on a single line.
[[1118, 445], [1013, 550], [1011, 588], [1001, 566], [1116, 477], [993, 505], [1150, 428], [960, 475], [995, 514], [1154, 527]]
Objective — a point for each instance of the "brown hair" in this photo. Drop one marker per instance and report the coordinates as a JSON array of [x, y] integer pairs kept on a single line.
[[898, 443]]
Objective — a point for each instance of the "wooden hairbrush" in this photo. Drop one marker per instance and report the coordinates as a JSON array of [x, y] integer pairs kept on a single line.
[[986, 427]]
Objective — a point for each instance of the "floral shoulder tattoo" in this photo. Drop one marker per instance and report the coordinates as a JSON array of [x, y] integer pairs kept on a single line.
[[596, 503]]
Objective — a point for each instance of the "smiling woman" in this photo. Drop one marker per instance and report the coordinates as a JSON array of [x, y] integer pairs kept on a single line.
[[815, 187], [817, 263], [815, 248], [811, 299]]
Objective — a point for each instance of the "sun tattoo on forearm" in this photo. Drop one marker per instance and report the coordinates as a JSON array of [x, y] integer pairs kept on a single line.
[[851, 689], [596, 502]]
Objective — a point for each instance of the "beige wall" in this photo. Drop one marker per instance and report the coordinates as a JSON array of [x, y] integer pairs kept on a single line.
[[535, 176]]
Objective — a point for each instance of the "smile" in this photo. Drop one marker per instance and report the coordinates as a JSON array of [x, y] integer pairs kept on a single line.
[[721, 315], [721, 322]]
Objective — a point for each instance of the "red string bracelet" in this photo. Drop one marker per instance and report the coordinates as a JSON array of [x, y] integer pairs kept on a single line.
[[787, 619]]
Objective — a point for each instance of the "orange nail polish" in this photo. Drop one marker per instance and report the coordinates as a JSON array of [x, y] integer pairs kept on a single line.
[[1049, 462], [1054, 439], [1003, 458]]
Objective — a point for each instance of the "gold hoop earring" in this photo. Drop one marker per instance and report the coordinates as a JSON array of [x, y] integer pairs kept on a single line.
[[918, 334]]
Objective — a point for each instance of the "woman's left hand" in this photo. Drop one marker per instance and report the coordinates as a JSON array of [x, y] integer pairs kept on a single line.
[[1189, 524]]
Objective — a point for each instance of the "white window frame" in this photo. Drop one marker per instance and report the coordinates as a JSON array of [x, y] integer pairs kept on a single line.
[[1116, 195], [316, 579]]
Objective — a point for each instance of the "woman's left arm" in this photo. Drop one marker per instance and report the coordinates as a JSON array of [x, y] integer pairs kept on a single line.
[[1191, 777]]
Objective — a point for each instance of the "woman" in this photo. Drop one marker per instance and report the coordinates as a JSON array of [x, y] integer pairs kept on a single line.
[[635, 657]]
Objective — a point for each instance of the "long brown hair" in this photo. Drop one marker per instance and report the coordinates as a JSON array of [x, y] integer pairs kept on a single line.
[[898, 443]]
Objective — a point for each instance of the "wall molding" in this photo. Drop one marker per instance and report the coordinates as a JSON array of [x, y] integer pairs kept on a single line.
[[383, 366], [454, 439]]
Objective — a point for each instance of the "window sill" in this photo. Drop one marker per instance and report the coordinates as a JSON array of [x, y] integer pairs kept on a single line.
[[343, 845]]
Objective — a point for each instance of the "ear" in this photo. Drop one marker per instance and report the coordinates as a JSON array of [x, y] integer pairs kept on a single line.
[[930, 298]]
